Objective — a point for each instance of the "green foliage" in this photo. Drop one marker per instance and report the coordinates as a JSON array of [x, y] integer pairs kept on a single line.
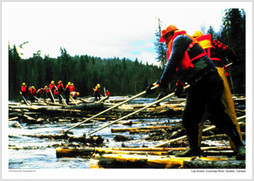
[[232, 33], [161, 48], [119, 76]]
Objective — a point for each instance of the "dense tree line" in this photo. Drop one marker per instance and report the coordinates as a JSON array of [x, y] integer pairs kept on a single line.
[[119, 76]]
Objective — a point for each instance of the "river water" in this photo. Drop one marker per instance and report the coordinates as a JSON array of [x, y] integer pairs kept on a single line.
[[35, 153]]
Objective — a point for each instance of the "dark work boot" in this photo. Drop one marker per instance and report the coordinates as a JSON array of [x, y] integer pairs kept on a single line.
[[240, 148], [240, 153], [193, 149], [189, 152]]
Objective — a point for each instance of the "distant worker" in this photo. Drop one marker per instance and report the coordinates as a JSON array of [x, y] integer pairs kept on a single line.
[[72, 87], [32, 92], [46, 92], [67, 93], [51, 90], [74, 94], [97, 91], [60, 90], [189, 63], [107, 94], [218, 52], [39, 92], [24, 90]]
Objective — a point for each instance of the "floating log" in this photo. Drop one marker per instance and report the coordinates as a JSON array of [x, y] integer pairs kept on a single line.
[[86, 106], [146, 161], [115, 130], [13, 118], [88, 151], [89, 141]]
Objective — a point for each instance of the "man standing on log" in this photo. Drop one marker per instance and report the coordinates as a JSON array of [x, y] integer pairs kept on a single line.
[[218, 52], [51, 89], [24, 90], [97, 93], [67, 92], [60, 89], [32, 92], [189, 63]]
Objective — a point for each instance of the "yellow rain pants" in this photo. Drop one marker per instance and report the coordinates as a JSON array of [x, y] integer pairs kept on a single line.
[[229, 107]]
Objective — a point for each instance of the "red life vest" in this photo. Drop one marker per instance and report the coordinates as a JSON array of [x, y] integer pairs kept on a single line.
[[23, 88], [74, 94], [51, 86], [56, 92], [32, 91], [186, 62], [59, 86], [107, 94], [72, 88]]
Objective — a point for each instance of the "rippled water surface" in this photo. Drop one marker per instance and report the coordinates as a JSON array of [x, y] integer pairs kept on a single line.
[[34, 153]]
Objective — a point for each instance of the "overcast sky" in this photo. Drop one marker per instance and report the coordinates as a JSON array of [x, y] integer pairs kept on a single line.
[[107, 29]]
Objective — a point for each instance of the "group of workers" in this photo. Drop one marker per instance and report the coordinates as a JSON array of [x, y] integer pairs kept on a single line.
[[200, 62], [50, 91]]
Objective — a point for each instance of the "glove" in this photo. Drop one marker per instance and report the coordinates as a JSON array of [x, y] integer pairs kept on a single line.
[[162, 85], [149, 90], [179, 90]]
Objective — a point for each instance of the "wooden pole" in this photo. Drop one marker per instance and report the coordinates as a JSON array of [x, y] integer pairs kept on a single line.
[[24, 98], [183, 137], [115, 106], [135, 112]]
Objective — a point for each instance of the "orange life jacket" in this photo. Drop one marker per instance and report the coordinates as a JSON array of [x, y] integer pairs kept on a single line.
[[97, 89], [205, 42], [186, 62]]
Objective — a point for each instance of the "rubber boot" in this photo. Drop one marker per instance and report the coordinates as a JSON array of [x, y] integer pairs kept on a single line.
[[193, 149], [240, 148]]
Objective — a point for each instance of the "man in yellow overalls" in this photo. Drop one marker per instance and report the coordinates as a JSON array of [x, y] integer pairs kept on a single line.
[[216, 51]]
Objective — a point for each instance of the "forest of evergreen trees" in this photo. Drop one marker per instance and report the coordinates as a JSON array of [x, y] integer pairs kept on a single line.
[[119, 76]]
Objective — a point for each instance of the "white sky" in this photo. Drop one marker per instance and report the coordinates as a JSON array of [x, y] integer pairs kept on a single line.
[[104, 29]]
